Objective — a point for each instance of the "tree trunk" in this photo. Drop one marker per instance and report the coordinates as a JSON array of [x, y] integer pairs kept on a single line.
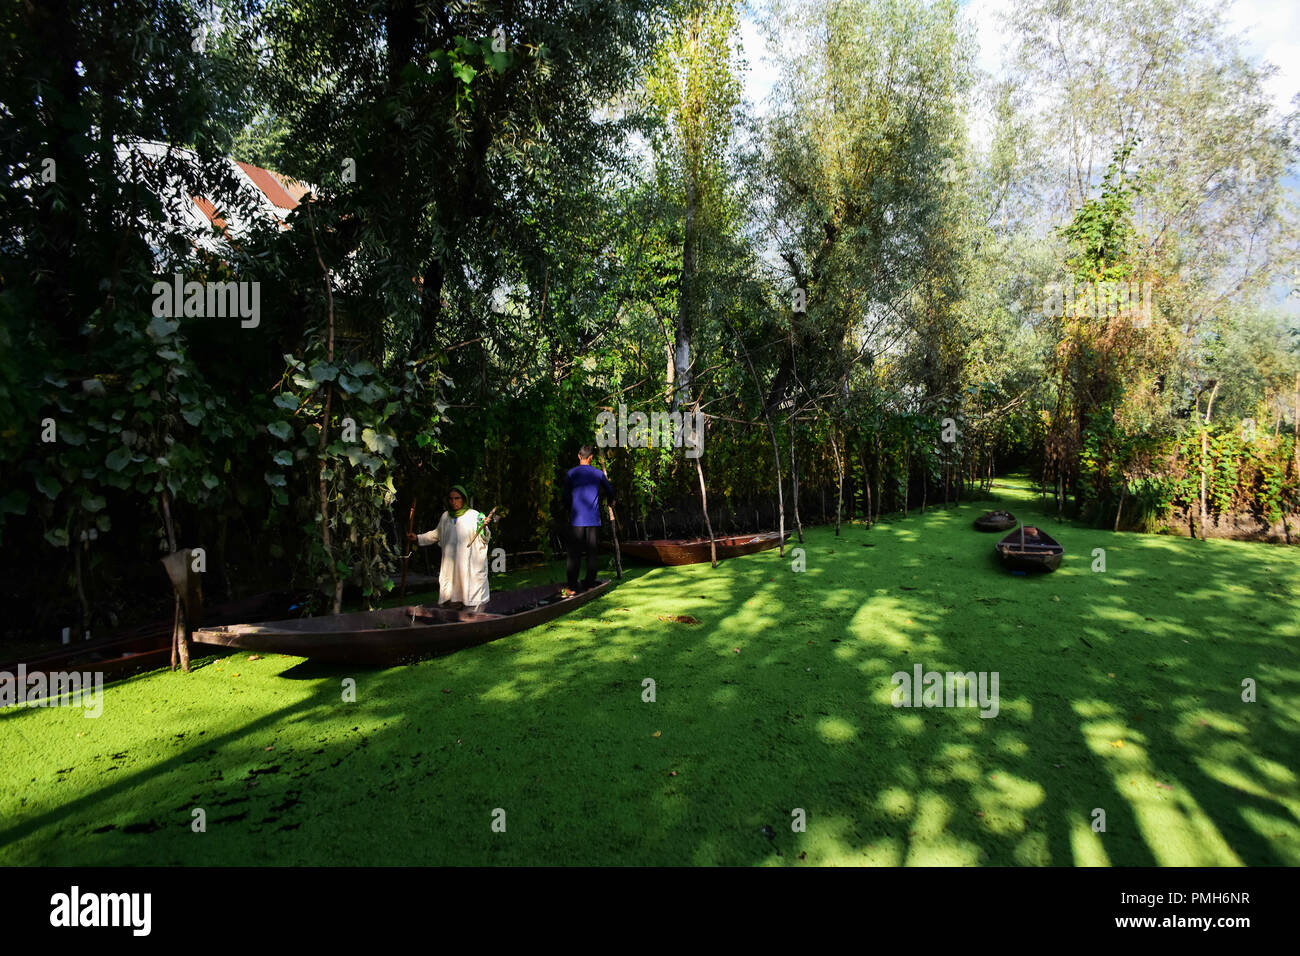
[[839, 472], [704, 506], [686, 303], [324, 427], [180, 626], [794, 485], [1205, 450]]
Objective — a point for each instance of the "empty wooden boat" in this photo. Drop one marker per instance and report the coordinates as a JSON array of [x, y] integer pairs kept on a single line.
[[148, 646], [1030, 549], [694, 550], [995, 521], [394, 635]]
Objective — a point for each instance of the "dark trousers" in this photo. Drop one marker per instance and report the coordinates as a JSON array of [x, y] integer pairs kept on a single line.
[[583, 540]]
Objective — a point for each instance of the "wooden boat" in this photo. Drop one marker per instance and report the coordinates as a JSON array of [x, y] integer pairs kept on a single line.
[[397, 634], [995, 521], [148, 646], [695, 550], [1030, 549]]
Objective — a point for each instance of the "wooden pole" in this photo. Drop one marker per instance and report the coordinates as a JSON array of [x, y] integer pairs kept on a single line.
[[704, 502], [613, 523], [180, 646], [406, 556]]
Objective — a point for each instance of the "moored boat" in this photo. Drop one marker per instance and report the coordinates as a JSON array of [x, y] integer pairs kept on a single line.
[[694, 550], [1030, 549], [148, 646], [394, 635], [995, 521]]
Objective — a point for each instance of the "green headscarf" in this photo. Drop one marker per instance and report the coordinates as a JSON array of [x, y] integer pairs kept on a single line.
[[464, 500]]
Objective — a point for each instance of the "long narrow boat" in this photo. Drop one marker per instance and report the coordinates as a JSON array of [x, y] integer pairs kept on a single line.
[[695, 550], [397, 634], [148, 646], [1030, 549]]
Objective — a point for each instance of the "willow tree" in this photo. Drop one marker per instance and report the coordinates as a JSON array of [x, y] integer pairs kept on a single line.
[[1217, 225], [694, 84]]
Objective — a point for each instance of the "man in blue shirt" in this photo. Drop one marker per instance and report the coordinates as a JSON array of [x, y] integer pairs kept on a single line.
[[582, 488]]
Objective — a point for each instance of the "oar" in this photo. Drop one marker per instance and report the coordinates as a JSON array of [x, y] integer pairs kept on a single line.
[[406, 558]]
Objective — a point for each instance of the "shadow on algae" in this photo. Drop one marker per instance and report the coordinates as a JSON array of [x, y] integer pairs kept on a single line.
[[1120, 691]]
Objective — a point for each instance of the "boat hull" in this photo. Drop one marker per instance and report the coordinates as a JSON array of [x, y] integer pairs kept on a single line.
[[1036, 552], [147, 646], [995, 521], [695, 550], [396, 635]]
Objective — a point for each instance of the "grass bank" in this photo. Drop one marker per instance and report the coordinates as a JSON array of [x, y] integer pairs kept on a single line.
[[1119, 690]]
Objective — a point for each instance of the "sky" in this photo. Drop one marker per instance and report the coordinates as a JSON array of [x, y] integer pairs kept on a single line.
[[1270, 30]]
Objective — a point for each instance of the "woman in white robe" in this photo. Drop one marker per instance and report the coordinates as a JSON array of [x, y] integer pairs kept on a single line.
[[462, 576]]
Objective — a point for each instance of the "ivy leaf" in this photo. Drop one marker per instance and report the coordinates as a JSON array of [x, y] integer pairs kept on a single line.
[[57, 537], [464, 72], [192, 415], [283, 458], [348, 384], [286, 400], [323, 372], [49, 486], [117, 459], [73, 436], [274, 480], [93, 503], [378, 443], [363, 368], [103, 523], [280, 430], [210, 481], [161, 328], [373, 393]]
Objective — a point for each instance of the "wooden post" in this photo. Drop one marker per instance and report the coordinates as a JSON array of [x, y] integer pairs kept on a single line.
[[704, 504], [794, 483], [406, 557], [180, 625]]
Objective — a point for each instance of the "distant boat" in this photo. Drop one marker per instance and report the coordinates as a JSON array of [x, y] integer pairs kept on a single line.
[[1029, 549], [995, 521], [397, 634], [694, 550]]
